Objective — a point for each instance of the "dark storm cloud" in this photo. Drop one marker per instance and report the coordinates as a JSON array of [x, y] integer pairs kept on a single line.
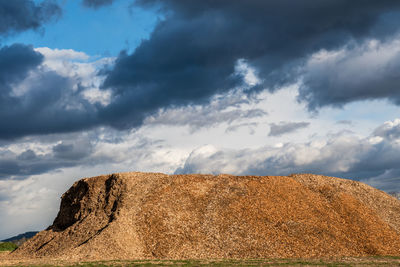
[[22, 15], [48, 106], [97, 3], [72, 151], [48, 102], [388, 182], [15, 63], [191, 54], [27, 155], [357, 72], [26, 164], [389, 130], [68, 153], [278, 129]]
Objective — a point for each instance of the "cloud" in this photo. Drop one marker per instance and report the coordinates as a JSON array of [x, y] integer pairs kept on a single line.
[[72, 151], [197, 117], [389, 130], [36, 100], [15, 63], [26, 205], [97, 3], [48, 105], [24, 160], [38, 96], [345, 122], [388, 181], [57, 91], [356, 72], [46, 166], [81, 69], [286, 127], [103, 148], [199, 48], [372, 159], [61, 55], [21, 15], [25, 164], [235, 127], [226, 108]]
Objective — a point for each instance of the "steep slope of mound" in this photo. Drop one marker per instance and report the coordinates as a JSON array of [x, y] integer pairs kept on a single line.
[[151, 215]]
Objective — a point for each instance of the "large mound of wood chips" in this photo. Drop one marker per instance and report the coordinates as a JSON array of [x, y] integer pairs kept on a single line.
[[152, 215]]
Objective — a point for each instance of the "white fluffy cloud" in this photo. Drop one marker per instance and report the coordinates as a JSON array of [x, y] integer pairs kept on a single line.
[[81, 68], [342, 154]]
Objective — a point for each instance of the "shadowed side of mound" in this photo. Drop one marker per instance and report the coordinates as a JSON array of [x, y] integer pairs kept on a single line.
[[150, 215]]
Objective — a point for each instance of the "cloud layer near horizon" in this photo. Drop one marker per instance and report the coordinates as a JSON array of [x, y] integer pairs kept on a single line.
[[341, 155], [372, 159]]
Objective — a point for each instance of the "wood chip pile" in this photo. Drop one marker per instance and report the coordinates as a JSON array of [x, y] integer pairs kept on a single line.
[[158, 216]]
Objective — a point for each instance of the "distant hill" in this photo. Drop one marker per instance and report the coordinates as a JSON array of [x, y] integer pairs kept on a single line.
[[158, 216], [21, 238]]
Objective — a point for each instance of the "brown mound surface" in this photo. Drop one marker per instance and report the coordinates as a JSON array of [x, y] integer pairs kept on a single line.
[[151, 215]]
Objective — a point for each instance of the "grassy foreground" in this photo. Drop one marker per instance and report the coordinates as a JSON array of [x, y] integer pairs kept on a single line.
[[375, 261], [351, 261], [7, 246]]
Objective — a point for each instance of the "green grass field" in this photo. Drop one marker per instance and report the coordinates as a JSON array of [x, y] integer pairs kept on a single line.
[[350, 261], [370, 261], [7, 246]]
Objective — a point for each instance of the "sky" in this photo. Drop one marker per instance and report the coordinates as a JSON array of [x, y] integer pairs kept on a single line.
[[91, 87]]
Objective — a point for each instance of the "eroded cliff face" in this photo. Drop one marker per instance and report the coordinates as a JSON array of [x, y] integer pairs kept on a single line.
[[153, 215], [101, 197]]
